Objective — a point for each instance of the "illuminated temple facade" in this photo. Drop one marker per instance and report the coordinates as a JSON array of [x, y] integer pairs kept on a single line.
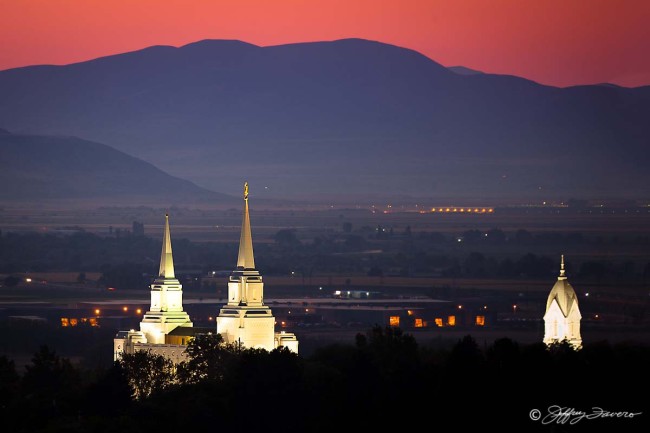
[[562, 317], [158, 328], [245, 319], [166, 329]]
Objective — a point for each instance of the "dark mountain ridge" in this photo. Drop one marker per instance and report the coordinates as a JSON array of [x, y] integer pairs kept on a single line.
[[345, 116]]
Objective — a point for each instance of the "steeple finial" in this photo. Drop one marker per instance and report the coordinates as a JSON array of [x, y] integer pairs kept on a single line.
[[245, 260], [562, 273], [166, 260]]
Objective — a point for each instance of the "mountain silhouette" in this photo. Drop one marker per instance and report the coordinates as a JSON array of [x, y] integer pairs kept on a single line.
[[48, 169], [343, 117]]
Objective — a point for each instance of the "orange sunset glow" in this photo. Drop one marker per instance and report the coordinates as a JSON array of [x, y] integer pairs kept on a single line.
[[553, 42]]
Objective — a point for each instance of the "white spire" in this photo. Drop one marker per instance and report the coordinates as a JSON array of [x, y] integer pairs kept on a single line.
[[562, 273], [245, 259], [166, 260]]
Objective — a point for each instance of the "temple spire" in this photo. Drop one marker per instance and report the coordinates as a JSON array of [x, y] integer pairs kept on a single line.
[[166, 260], [562, 272], [245, 259]]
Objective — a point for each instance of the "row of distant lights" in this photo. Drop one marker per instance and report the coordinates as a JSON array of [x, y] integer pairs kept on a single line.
[[125, 309], [410, 312], [462, 210]]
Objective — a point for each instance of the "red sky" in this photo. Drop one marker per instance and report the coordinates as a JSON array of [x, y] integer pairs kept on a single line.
[[557, 42]]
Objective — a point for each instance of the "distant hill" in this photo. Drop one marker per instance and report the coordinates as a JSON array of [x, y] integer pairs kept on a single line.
[[343, 117], [46, 169]]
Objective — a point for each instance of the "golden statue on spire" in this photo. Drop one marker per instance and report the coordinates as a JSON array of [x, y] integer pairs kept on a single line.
[[245, 190]]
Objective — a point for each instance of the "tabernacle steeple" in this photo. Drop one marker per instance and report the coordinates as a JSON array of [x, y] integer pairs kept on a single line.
[[562, 317], [245, 259], [166, 261]]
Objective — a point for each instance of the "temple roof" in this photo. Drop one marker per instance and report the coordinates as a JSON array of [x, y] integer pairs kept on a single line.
[[189, 331], [563, 293]]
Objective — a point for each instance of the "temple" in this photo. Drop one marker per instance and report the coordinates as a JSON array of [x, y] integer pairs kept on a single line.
[[158, 328], [562, 317], [245, 320], [166, 329]]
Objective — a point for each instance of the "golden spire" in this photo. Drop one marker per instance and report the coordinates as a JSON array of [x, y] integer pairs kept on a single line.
[[166, 260], [245, 259]]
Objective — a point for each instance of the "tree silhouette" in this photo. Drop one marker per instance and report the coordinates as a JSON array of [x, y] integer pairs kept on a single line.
[[147, 372], [209, 359]]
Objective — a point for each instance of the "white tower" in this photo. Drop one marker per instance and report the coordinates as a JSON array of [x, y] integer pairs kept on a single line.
[[166, 312], [245, 319], [562, 318]]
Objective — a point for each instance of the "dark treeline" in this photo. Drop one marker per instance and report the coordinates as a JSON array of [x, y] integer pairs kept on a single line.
[[384, 381], [128, 261]]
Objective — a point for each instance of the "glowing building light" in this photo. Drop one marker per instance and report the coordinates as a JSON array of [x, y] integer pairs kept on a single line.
[[393, 321], [480, 321], [451, 320], [139, 310], [97, 311], [28, 280], [438, 322], [65, 322], [409, 312], [419, 323], [125, 309], [73, 322]]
